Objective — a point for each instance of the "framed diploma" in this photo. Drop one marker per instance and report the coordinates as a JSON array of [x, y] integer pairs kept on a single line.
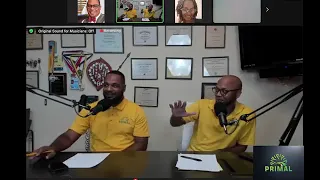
[[58, 86], [146, 96], [32, 78], [144, 69], [215, 37], [178, 35], [179, 68], [34, 41], [145, 35], [73, 41], [215, 66], [208, 90], [109, 41]]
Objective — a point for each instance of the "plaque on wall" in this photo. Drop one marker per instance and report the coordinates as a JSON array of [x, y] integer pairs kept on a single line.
[[58, 84]]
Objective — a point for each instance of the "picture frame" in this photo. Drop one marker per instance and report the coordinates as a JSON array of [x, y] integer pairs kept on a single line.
[[215, 66], [178, 35], [146, 96], [109, 40], [215, 37], [144, 68], [207, 90], [32, 78], [145, 35], [172, 72], [73, 40], [59, 85], [34, 41]]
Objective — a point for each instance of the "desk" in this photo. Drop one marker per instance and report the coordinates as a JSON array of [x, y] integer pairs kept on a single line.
[[140, 20], [149, 164]]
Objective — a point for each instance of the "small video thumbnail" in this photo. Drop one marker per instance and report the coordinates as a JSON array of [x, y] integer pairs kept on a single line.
[[237, 11], [188, 11], [91, 11], [136, 11]]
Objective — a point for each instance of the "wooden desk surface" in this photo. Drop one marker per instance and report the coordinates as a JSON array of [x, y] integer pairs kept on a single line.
[[149, 164]]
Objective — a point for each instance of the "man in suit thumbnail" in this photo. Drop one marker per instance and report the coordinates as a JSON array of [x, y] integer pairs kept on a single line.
[[94, 12]]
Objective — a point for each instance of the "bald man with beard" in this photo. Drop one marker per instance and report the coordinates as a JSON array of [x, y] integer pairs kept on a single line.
[[208, 135]]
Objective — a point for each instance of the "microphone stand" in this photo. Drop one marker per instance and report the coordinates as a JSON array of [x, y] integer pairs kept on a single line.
[[295, 119], [74, 104]]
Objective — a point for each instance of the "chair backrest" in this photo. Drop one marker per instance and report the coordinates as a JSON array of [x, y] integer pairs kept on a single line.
[[186, 133]]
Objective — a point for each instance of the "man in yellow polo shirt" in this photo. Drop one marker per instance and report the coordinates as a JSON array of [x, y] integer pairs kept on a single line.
[[130, 13], [122, 126], [208, 135], [148, 12]]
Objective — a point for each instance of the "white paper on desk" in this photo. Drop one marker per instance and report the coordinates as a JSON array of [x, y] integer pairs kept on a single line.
[[145, 19], [208, 163], [125, 19], [85, 160]]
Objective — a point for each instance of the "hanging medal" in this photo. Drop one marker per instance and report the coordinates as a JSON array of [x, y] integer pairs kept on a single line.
[[52, 53]]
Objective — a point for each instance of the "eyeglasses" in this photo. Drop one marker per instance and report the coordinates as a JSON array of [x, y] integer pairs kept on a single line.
[[185, 10], [94, 6], [223, 92]]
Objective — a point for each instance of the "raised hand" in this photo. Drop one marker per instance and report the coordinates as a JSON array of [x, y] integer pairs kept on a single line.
[[179, 109]]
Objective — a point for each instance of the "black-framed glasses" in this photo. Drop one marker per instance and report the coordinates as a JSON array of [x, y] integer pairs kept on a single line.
[[95, 6], [223, 92]]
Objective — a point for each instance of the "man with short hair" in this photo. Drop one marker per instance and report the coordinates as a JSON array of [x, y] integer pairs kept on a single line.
[[122, 127], [148, 12], [130, 13], [94, 12], [208, 134]]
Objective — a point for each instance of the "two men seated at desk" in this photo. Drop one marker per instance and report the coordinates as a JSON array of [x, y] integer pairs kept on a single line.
[[123, 125]]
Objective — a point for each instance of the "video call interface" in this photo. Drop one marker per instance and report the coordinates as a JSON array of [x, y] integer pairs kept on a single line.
[[165, 12]]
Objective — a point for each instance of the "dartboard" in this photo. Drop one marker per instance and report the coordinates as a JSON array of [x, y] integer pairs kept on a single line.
[[97, 71]]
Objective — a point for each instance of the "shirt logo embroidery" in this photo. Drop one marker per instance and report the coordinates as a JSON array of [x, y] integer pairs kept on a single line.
[[124, 121]]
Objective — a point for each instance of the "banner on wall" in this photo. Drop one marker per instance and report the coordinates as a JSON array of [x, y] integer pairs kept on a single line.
[[97, 71], [76, 61]]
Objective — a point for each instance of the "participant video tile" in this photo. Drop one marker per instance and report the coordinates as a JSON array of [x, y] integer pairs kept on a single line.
[[237, 11], [91, 11], [188, 11], [140, 11]]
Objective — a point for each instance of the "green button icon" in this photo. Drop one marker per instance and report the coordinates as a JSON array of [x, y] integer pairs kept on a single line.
[[31, 31]]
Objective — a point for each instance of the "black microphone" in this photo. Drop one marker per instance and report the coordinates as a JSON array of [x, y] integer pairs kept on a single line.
[[83, 103], [102, 105], [221, 111]]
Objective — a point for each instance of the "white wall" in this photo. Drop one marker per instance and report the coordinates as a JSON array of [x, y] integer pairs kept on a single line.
[[237, 11], [51, 120]]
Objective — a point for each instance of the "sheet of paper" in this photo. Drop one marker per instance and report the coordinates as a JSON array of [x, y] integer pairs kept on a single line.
[[208, 163], [125, 19], [85, 160], [145, 19]]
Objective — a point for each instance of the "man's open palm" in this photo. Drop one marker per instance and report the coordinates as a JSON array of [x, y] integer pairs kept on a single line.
[[179, 109]]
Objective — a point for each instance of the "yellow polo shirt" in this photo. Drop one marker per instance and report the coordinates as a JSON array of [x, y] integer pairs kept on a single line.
[[131, 14], [148, 14], [115, 128], [208, 135]]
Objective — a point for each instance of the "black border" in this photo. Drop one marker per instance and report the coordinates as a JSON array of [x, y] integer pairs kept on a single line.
[[94, 48], [65, 92], [41, 40], [132, 59], [85, 42], [38, 81], [179, 58], [157, 31], [215, 57], [224, 43], [202, 88], [157, 88], [165, 37]]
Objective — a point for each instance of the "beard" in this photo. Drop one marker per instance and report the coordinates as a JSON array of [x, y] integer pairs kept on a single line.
[[113, 99]]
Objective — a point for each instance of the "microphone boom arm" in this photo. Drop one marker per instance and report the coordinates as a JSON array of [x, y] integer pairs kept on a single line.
[[74, 104], [289, 131]]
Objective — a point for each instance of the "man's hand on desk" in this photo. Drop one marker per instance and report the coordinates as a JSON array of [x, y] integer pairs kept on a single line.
[[45, 150]]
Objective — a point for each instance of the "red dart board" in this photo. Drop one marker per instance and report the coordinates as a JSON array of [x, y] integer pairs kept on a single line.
[[97, 71]]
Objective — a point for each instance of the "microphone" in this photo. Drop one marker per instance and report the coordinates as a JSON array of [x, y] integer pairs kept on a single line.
[[101, 106], [221, 111]]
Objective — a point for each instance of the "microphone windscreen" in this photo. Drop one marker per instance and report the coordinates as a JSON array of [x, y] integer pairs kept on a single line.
[[220, 108], [105, 104]]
